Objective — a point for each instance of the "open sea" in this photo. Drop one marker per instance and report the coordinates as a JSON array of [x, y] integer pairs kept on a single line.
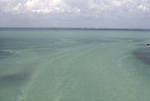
[[74, 65]]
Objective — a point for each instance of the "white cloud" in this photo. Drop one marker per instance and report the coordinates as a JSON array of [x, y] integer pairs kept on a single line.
[[118, 8], [143, 8], [117, 3], [18, 8], [80, 7], [37, 6], [80, 12], [46, 6]]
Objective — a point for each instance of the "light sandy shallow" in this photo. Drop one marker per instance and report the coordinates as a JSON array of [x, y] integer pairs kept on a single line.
[[74, 65]]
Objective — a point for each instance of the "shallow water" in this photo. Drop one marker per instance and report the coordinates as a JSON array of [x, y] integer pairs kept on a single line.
[[74, 65]]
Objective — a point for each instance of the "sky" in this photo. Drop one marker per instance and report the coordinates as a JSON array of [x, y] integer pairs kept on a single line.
[[75, 13]]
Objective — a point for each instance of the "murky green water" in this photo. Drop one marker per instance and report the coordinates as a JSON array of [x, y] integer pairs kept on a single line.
[[74, 65]]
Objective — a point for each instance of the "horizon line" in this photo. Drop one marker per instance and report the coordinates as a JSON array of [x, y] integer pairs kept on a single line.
[[81, 28]]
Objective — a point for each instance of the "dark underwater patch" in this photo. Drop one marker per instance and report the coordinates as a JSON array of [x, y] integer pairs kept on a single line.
[[88, 41], [143, 54], [24, 43], [5, 54], [133, 39], [12, 79]]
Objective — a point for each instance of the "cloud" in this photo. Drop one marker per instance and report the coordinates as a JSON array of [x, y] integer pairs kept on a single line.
[[119, 5], [37, 6], [77, 11], [74, 6], [143, 8], [45, 6]]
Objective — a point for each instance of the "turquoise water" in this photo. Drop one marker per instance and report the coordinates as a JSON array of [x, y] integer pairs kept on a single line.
[[74, 65]]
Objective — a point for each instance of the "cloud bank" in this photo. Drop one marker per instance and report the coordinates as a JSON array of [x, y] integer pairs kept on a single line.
[[37, 6], [80, 10], [70, 6]]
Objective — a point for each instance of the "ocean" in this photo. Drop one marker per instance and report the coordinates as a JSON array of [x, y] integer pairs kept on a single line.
[[74, 65]]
